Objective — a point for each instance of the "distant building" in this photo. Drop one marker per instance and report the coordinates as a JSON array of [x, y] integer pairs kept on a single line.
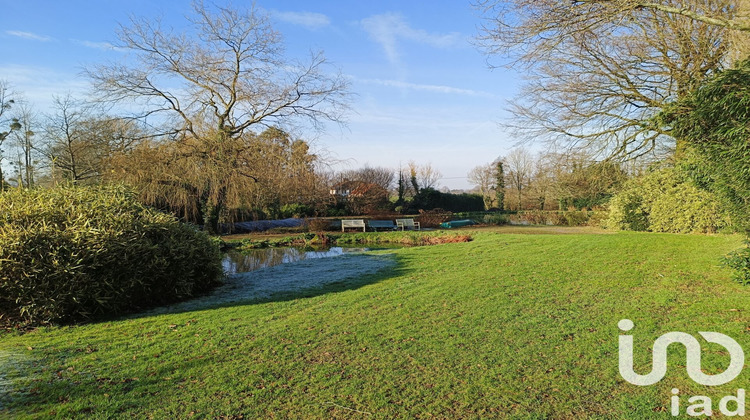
[[356, 189]]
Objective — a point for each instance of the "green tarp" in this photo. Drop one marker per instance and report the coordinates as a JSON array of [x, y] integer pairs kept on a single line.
[[456, 223]]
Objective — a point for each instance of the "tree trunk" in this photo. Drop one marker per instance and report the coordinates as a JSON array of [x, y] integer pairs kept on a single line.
[[211, 217], [519, 198], [211, 211]]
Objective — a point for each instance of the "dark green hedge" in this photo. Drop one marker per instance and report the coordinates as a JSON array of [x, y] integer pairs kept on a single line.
[[429, 198], [75, 253]]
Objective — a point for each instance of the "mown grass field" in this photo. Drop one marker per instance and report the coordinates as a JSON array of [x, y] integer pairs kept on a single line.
[[506, 326]]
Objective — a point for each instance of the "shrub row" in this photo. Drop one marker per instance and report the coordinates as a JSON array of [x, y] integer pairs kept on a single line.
[[409, 238], [430, 198], [74, 253], [559, 217], [433, 218]]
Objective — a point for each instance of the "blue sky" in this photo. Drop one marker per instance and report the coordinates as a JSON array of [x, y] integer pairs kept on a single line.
[[423, 91]]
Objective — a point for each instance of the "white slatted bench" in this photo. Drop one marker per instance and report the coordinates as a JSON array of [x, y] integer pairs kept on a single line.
[[353, 223], [410, 224]]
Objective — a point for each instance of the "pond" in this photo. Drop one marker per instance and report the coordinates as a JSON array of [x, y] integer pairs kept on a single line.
[[254, 259], [263, 273]]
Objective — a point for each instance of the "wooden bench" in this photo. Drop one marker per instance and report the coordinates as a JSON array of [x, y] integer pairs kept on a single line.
[[410, 224], [381, 224], [353, 223]]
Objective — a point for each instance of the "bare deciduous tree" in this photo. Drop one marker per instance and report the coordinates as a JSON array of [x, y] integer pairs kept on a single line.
[[10, 124], [598, 70], [422, 176], [484, 177], [211, 85], [584, 182], [377, 175], [70, 148], [542, 181], [519, 166], [25, 142], [79, 140]]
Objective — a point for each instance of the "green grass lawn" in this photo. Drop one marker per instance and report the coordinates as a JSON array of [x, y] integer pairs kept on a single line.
[[508, 326]]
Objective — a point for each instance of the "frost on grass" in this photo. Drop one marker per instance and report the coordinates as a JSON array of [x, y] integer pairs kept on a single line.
[[9, 363], [4, 382], [286, 278]]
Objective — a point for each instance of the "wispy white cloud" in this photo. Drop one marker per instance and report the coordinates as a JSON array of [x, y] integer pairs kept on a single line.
[[105, 46], [29, 35], [38, 84], [390, 28], [309, 20], [426, 87]]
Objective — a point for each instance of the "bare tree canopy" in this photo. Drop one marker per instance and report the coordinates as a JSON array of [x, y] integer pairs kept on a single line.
[[6, 102], [423, 176], [214, 87], [79, 140], [227, 70], [549, 22], [7, 124], [597, 71], [519, 166], [484, 177], [25, 143], [377, 175]]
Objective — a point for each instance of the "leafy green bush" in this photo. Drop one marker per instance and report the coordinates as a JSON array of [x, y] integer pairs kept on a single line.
[[627, 210], [73, 253], [598, 217], [336, 212], [740, 261], [295, 210], [495, 219], [665, 200], [712, 122]]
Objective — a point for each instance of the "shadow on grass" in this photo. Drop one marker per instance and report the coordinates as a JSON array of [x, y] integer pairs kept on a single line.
[[290, 281], [66, 393]]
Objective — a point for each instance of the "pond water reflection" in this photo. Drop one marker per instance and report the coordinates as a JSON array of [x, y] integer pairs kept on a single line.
[[241, 262]]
